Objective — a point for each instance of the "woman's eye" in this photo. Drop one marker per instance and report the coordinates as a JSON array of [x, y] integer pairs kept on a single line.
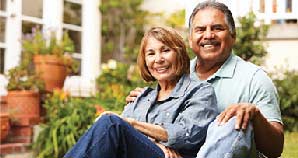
[[166, 50], [150, 54]]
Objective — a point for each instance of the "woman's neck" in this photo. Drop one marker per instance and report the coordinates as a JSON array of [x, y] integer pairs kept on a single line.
[[166, 88]]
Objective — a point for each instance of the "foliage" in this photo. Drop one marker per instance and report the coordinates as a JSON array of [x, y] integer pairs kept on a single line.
[[115, 83], [176, 19], [122, 29], [250, 39], [66, 120], [22, 79], [36, 43], [23, 76], [288, 92]]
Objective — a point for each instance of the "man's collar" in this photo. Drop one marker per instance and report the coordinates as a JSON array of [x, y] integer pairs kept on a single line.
[[228, 68], [225, 71]]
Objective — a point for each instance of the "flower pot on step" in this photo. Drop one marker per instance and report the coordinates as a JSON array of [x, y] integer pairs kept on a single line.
[[52, 70], [24, 107]]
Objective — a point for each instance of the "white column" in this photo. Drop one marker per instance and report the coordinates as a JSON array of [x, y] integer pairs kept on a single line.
[[13, 34], [53, 17], [295, 7], [90, 64]]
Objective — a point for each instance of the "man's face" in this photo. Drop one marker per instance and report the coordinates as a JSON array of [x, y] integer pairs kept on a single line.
[[210, 38]]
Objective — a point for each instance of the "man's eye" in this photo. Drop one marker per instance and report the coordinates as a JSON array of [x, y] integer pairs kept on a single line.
[[218, 28], [199, 30]]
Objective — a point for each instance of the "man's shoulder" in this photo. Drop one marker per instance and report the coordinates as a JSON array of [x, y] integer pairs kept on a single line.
[[246, 68]]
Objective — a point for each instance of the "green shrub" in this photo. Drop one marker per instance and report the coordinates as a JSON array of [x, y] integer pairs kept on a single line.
[[288, 93], [115, 83], [65, 121]]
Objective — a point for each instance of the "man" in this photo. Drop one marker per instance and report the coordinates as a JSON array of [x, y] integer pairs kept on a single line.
[[243, 90]]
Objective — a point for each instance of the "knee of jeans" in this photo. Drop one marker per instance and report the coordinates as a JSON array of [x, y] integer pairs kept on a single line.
[[232, 122]]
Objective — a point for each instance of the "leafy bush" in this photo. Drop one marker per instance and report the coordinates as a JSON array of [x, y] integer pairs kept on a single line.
[[288, 92], [250, 39], [65, 121], [115, 83]]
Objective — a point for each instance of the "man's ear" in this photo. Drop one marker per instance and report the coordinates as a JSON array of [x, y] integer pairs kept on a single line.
[[190, 41]]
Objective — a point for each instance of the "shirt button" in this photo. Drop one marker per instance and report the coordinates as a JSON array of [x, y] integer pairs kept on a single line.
[[187, 134], [168, 114]]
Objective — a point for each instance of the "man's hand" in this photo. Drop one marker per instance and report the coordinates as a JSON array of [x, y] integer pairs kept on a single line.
[[133, 94], [244, 112], [169, 153]]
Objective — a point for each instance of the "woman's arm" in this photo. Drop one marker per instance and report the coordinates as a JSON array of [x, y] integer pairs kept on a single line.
[[154, 131]]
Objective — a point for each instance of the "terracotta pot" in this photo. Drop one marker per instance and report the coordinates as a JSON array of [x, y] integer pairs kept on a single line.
[[5, 126], [24, 107], [52, 69]]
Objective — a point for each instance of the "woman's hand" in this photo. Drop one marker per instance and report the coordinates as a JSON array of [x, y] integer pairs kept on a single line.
[[169, 153]]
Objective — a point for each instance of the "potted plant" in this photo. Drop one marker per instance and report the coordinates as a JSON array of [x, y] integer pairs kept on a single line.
[[23, 87], [51, 57]]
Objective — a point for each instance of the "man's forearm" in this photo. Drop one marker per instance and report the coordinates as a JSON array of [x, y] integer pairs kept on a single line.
[[269, 136]]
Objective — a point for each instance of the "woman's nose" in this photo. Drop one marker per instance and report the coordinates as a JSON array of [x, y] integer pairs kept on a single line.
[[159, 57]]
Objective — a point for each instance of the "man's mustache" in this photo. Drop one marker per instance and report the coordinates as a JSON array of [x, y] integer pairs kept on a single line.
[[209, 42]]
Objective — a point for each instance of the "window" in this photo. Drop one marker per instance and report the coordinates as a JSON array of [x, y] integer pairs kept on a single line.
[[72, 13], [3, 5], [1, 60], [2, 29], [72, 21], [28, 9], [289, 6], [274, 6], [262, 6]]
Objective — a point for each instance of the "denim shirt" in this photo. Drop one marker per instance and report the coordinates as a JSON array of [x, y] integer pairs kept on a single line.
[[185, 114]]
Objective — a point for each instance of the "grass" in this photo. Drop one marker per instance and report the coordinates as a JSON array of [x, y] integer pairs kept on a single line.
[[291, 145]]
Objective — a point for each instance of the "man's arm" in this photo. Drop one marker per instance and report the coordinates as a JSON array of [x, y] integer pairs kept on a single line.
[[269, 136], [133, 94]]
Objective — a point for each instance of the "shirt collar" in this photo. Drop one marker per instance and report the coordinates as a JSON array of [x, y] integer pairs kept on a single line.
[[228, 68], [180, 87], [225, 71]]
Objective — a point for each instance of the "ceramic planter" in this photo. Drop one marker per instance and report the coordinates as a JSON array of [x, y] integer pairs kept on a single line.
[[52, 70], [23, 107]]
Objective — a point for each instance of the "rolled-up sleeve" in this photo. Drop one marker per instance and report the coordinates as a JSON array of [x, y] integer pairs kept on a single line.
[[189, 129]]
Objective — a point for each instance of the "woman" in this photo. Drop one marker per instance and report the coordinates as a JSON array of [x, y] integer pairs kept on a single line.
[[172, 117]]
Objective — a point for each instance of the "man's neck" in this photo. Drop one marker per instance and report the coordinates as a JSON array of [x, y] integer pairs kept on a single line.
[[205, 69]]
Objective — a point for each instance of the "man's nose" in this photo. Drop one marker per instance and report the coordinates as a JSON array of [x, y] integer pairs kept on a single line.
[[208, 34]]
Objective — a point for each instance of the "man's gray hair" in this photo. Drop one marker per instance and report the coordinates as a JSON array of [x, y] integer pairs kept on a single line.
[[219, 6]]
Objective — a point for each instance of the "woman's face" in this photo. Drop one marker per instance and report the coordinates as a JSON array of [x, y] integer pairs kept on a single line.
[[159, 59]]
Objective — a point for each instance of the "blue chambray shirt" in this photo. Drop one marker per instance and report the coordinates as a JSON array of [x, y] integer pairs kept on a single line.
[[185, 114], [238, 81]]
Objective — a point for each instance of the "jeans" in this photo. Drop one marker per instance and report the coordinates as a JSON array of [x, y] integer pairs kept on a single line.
[[226, 142], [112, 137]]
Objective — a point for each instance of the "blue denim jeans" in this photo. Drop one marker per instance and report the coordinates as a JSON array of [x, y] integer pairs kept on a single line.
[[226, 142], [112, 137]]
